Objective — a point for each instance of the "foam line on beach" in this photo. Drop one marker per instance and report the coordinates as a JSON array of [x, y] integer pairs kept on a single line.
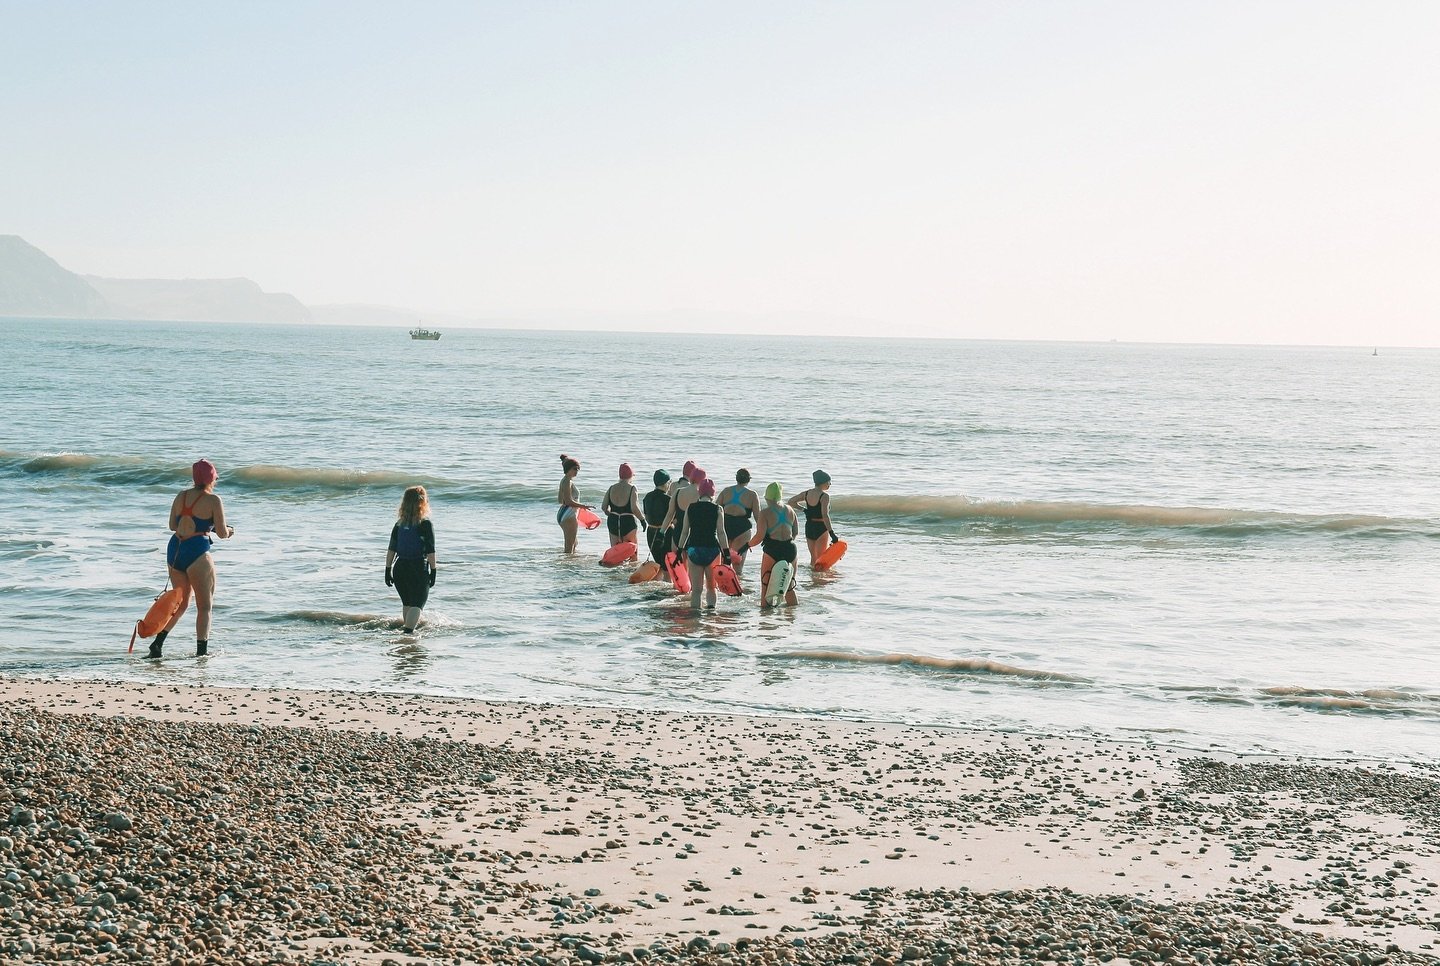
[[1379, 701], [930, 663]]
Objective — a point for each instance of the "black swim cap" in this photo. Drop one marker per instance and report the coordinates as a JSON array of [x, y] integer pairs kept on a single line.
[[661, 477], [821, 477]]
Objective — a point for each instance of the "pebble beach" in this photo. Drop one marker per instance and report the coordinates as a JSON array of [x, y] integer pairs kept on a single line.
[[152, 823]]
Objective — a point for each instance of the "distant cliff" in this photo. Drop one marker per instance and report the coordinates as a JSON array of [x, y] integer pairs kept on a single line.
[[197, 299], [32, 285]]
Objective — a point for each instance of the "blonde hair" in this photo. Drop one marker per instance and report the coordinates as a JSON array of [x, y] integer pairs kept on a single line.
[[414, 506]]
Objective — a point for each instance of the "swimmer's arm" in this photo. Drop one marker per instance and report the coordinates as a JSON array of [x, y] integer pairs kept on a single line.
[[721, 537], [221, 530], [669, 514], [797, 499], [174, 512], [825, 509], [760, 529], [684, 533], [390, 556]]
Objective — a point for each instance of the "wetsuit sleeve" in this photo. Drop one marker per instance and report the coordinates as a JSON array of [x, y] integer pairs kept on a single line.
[[427, 535], [395, 538]]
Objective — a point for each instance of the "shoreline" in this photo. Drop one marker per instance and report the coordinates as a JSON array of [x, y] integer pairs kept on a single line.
[[1156, 740], [479, 829]]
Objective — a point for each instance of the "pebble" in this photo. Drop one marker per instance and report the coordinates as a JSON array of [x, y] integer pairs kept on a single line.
[[292, 865]]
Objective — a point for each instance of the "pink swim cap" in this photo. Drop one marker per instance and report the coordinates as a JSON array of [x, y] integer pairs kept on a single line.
[[625, 471], [696, 474], [687, 469], [203, 473], [707, 487]]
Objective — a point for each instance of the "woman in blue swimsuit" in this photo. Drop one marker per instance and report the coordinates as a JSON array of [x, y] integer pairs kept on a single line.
[[195, 514]]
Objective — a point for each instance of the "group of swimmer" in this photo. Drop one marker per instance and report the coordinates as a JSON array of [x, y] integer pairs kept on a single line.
[[690, 520], [702, 525]]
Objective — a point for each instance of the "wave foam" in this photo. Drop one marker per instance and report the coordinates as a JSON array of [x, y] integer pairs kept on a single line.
[[337, 618], [898, 508], [928, 662], [1379, 701]]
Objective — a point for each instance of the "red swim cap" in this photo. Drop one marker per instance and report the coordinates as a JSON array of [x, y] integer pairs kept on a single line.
[[203, 473], [625, 471], [707, 487]]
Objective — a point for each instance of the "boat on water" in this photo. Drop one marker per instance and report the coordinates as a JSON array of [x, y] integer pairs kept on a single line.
[[429, 335]]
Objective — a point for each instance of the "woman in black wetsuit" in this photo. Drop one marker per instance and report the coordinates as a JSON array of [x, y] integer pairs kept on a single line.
[[622, 514], [703, 540], [656, 504], [410, 559], [815, 502]]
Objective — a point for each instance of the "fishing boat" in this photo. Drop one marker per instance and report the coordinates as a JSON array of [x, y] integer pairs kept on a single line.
[[429, 335]]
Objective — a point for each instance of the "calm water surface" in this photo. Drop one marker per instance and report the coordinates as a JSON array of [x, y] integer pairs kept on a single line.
[[1201, 545]]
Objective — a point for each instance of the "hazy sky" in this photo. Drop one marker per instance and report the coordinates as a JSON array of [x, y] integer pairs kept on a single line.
[[1195, 171]]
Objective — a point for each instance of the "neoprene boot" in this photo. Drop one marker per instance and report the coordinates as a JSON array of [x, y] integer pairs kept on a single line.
[[201, 647], [157, 644]]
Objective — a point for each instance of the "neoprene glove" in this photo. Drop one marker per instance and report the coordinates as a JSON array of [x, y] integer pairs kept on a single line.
[[833, 537], [389, 580], [725, 557], [432, 578]]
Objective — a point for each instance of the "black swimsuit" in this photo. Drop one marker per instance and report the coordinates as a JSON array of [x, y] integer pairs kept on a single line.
[[774, 547], [814, 523], [615, 515], [737, 525], [679, 523], [701, 546], [655, 505]]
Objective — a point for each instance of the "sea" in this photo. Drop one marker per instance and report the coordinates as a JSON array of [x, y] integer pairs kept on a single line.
[[1211, 547]]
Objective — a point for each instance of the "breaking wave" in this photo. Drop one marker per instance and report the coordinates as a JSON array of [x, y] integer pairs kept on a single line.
[[268, 477], [930, 511], [1033, 513]]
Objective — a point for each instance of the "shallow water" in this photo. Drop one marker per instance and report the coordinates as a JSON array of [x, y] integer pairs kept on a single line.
[[1207, 545]]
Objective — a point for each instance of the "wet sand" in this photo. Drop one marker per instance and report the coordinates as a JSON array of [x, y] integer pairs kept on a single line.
[[180, 824]]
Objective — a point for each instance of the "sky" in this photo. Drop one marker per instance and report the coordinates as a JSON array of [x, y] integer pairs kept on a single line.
[[1205, 171]]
